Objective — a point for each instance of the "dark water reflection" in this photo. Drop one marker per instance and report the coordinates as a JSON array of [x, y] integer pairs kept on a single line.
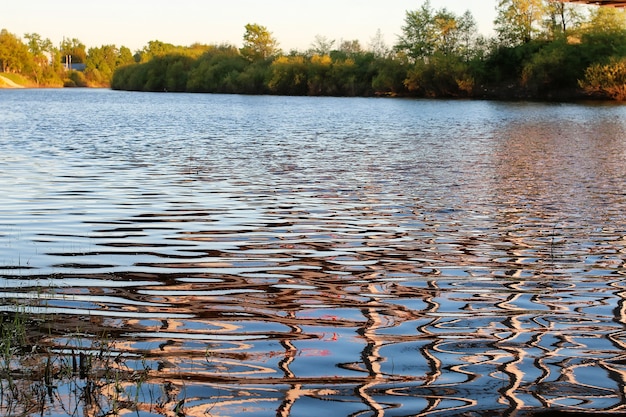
[[280, 256]]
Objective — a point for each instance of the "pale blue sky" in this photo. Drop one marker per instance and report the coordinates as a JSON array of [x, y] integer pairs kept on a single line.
[[294, 23]]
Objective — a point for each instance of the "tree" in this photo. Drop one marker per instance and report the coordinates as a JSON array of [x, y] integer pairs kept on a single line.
[[14, 53], [289, 75], [442, 76], [517, 20], [468, 39], [607, 20], [427, 32], [555, 65], [41, 52], [125, 56], [418, 33], [350, 47], [322, 45], [561, 18], [604, 36], [38, 47], [215, 71], [101, 62], [154, 49], [455, 33], [389, 77], [319, 70], [74, 49], [377, 45], [258, 43]]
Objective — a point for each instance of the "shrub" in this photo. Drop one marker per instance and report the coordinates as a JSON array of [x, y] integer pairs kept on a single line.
[[75, 79], [606, 80]]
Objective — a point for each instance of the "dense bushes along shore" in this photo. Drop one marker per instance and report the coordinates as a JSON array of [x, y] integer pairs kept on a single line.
[[537, 69], [224, 70], [543, 49]]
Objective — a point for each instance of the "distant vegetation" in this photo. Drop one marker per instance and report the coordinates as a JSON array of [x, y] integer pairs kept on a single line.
[[542, 49]]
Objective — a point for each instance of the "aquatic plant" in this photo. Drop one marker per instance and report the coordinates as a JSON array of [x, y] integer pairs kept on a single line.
[[88, 374]]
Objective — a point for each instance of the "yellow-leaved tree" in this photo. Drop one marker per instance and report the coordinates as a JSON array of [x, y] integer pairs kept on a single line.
[[258, 43]]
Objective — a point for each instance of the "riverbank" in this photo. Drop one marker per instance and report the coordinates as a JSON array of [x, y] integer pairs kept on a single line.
[[499, 92], [6, 82]]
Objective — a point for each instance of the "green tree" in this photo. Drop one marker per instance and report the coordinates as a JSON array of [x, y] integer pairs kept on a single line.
[[419, 36], [254, 78], [455, 34], [389, 76], [177, 72], [258, 43], [517, 21], [130, 77], [561, 19], [427, 32], [37, 46], [76, 79], [289, 75], [42, 52], [101, 60], [554, 66], [125, 56], [442, 76], [607, 20], [215, 71], [75, 50], [343, 78], [466, 36], [319, 74], [154, 49], [446, 27], [604, 36], [14, 54], [440, 45]]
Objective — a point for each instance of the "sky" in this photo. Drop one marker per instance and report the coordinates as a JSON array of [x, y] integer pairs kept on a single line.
[[294, 23]]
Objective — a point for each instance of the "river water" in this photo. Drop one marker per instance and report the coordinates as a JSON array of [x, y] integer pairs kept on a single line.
[[286, 255]]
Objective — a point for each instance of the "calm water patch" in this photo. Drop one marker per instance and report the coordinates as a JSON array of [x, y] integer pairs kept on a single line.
[[282, 255]]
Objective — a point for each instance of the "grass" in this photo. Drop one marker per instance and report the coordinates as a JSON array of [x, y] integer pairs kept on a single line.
[[16, 78], [85, 377]]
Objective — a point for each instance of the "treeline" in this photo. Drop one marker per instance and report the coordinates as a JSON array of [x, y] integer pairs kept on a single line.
[[261, 68], [70, 64], [223, 69], [542, 49]]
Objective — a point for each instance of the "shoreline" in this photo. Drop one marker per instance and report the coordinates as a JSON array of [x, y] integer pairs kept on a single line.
[[8, 83], [489, 94]]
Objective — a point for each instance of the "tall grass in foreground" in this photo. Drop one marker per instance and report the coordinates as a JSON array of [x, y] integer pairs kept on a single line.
[[87, 376]]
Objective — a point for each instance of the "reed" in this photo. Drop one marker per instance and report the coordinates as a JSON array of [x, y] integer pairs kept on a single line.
[[87, 376]]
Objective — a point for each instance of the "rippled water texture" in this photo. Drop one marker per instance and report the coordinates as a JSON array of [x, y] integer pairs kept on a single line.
[[280, 256]]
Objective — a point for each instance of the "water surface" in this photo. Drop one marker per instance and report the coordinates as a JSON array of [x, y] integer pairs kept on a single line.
[[281, 255]]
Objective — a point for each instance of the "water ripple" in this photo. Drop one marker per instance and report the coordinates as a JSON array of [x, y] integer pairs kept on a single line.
[[281, 255]]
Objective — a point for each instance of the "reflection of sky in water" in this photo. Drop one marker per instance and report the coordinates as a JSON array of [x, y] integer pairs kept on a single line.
[[282, 254]]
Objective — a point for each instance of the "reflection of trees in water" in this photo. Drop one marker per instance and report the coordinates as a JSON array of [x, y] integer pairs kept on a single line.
[[433, 308], [529, 343], [433, 331]]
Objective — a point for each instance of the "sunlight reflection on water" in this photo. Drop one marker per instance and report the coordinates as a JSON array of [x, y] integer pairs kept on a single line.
[[272, 255]]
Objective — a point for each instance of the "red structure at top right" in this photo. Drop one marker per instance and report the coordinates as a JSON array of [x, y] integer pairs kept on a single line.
[[611, 3]]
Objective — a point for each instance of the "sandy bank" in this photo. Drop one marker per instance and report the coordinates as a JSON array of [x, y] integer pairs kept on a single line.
[[7, 83]]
